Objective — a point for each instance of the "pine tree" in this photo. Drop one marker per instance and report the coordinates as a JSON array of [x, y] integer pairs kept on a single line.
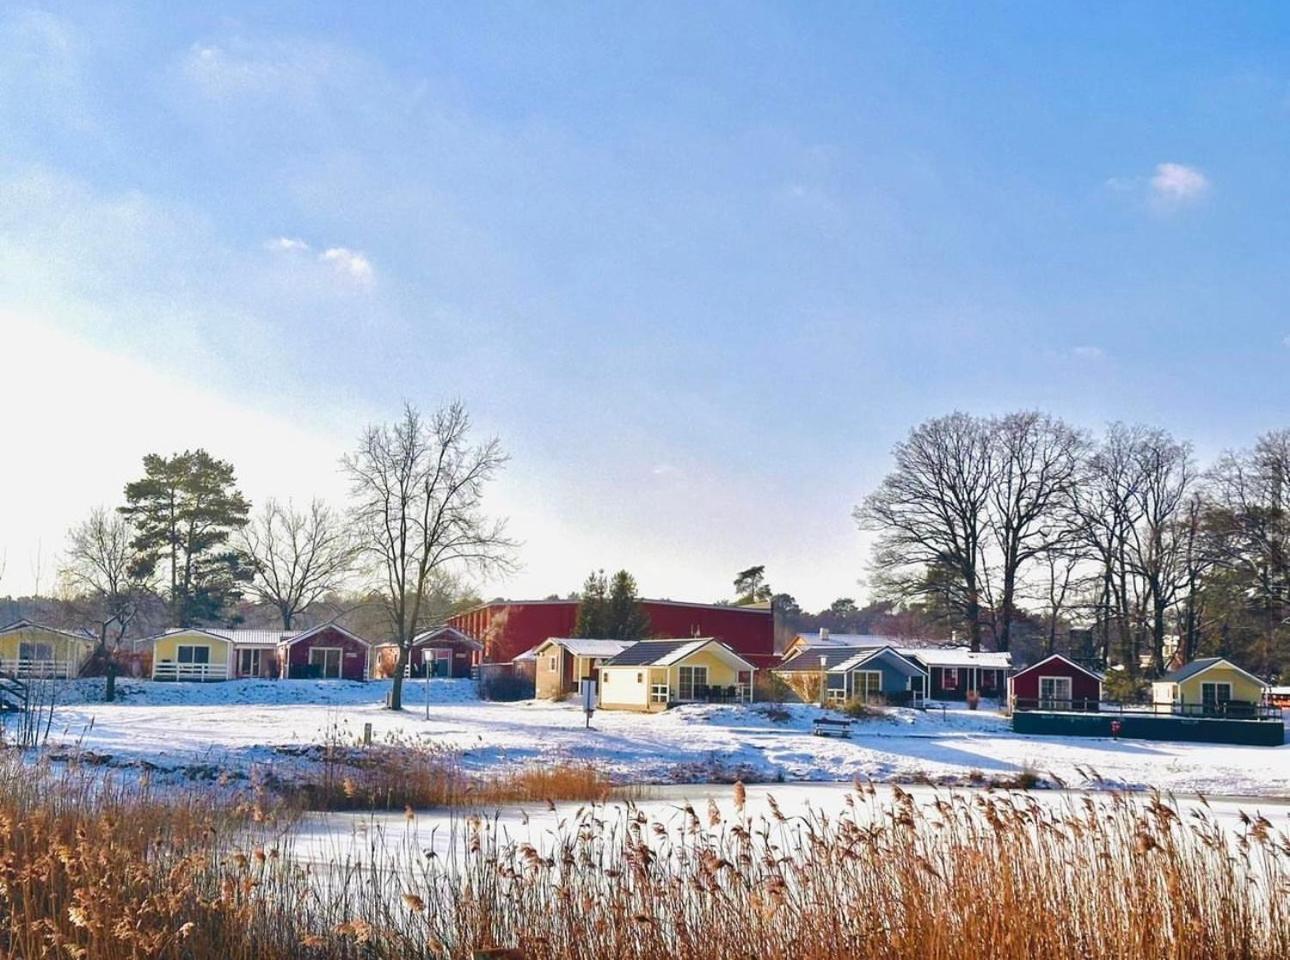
[[184, 510], [627, 619], [593, 607]]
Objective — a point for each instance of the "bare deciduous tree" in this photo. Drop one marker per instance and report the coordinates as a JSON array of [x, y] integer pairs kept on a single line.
[[298, 557], [1036, 460], [931, 513], [98, 570], [418, 488]]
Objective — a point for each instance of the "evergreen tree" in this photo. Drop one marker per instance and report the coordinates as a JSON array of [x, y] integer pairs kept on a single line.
[[627, 619], [593, 607], [184, 510], [751, 586]]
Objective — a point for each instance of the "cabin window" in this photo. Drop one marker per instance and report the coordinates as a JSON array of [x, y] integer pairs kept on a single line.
[[658, 693], [949, 678], [1213, 694], [987, 679], [327, 660], [867, 684], [552, 663], [640, 678], [837, 695], [691, 682], [1055, 693], [35, 651], [192, 654]]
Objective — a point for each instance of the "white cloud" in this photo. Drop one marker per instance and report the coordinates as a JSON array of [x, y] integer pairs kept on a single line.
[[1285, 341], [1178, 183], [1088, 353], [350, 263], [287, 245]]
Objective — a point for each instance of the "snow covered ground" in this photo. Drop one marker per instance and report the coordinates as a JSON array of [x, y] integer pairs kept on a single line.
[[242, 724]]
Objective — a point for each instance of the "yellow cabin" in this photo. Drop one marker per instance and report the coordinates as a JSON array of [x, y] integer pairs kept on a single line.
[[190, 653], [1207, 686], [32, 650], [561, 664], [655, 674]]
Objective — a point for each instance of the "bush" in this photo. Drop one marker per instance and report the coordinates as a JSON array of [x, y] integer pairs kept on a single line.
[[1124, 688], [858, 709]]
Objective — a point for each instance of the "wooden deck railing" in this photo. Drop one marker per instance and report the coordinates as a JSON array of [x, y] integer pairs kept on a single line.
[[169, 670], [38, 669]]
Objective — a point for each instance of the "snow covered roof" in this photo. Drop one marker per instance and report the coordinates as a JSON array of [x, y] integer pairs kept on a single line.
[[817, 639], [25, 624], [588, 647], [441, 631], [251, 637], [960, 657], [808, 658]]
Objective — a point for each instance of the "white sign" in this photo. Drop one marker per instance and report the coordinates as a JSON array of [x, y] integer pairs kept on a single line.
[[587, 693]]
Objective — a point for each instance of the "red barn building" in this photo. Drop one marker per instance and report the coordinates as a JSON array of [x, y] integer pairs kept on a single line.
[[508, 628], [1055, 683]]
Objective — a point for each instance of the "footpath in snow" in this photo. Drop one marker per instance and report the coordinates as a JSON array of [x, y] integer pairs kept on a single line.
[[242, 724]]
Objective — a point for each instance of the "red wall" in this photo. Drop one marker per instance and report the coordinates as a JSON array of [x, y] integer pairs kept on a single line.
[[1025, 685], [508, 629], [353, 658]]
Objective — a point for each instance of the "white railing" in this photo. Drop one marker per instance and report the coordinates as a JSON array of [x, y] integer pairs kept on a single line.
[[40, 669], [169, 670]]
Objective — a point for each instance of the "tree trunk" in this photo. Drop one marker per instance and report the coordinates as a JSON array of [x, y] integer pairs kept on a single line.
[[109, 688], [395, 699]]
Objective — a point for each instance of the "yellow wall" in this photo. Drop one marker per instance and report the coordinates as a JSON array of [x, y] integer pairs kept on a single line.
[[1243, 688], [166, 648], [64, 647], [628, 688], [720, 672]]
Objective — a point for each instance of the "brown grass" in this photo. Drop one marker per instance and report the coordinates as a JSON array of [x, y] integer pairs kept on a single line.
[[92, 869]]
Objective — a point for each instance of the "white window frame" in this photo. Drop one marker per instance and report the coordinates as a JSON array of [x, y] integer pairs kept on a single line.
[[553, 663], [35, 650], [340, 661], [658, 692], [837, 695], [949, 678], [1054, 701], [256, 658], [864, 690], [695, 673]]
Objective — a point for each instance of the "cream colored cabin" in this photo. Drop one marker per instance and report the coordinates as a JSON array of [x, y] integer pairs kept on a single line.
[[191, 654], [31, 650], [654, 674], [1206, 684]]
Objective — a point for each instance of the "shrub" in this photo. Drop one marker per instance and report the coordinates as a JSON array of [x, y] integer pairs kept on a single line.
[[506, 687]]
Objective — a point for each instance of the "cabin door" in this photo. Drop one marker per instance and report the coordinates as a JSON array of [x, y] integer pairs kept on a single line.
[[1055, 693], [1214, 695], [327, 660]]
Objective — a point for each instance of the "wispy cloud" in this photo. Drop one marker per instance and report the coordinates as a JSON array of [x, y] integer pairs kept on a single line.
[[1178, 183], [349, 263], [287, 245], [1088, 353]]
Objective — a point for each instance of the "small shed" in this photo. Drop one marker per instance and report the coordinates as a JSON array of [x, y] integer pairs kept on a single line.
[[191, 653], [1210, 686], [1055, 683], [560, 663], [325, 652], [655, 674]]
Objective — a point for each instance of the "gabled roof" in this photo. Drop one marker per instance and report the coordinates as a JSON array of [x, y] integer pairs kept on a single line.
[[665, 653], [906, 665], [587, 647], [959, 657], [1099, 677], [1205, 663], [174, 631], [297, 636], [25, 624], [435, 633], [808, 658]]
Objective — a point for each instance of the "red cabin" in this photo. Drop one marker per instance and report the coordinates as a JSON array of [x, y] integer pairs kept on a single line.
[[326, 652], [444, 651], [1055, 683], [509, 628]]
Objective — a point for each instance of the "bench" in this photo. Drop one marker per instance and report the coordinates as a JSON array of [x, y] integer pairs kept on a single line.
[[830, 727]]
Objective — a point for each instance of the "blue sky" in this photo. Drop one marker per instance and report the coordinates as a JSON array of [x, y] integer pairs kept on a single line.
[[697, 266]]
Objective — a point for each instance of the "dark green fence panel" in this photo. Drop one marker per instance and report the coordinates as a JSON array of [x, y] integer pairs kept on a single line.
[[1257, 733]]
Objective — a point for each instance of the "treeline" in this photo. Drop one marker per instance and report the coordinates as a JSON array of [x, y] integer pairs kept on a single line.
[[186, 548], [1119, 547]]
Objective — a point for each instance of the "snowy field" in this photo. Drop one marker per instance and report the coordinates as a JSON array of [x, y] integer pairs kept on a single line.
[[240, 725]]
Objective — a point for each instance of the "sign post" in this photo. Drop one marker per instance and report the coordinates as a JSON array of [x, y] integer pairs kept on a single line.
[[427, 663], [587, 693]]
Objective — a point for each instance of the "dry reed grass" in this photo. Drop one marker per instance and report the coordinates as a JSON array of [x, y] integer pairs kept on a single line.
[[93, 869]]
